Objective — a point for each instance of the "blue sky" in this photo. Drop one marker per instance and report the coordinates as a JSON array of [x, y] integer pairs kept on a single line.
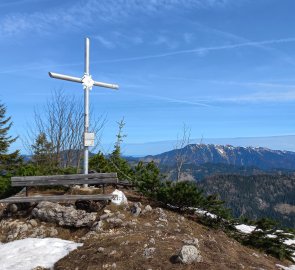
[[225, 68]]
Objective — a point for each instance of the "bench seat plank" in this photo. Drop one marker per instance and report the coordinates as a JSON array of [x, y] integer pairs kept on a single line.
[[59, 182], [57, 198], [64, 177]]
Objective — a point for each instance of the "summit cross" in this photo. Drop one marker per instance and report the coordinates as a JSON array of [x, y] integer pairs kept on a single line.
[[87, 82]]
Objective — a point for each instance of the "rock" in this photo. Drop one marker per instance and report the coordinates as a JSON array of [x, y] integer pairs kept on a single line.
[[119, 198], [162, 214], [114, 222], [106, 215], [101, 249], [97, 226], [89, 206], [135, 209], [33, 222], [149, 252], [129, 224], [13, 208], [189, 254], [120, 216], [192, 242], [63, 215], [152, 241], [148, 208]]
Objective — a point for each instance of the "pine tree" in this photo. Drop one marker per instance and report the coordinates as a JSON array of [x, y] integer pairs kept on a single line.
[[7, 160], [43, 151], [117, 163], [147, 178], [99, 163]]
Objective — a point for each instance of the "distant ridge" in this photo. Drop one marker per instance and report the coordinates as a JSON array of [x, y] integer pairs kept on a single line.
[[280, 142], [259, 157]]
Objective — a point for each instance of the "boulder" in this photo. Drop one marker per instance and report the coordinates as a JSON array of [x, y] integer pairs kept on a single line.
[[189, 254], [119, 198], [63, 215]]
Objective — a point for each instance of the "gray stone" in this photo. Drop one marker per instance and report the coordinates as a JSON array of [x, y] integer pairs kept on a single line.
[[135, 209], [106, 215], [97, 226], [114, 222], [189, 254], [148, 208], [192, 242], [33, 222], [63, 215], [149, 252], [101, 249]]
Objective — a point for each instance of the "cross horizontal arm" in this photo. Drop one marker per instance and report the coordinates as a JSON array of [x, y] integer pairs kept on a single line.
[[65, 77], [80, 80], [107, 85]]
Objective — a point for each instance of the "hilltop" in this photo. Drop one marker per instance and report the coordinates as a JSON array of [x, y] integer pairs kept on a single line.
[[138, 235]]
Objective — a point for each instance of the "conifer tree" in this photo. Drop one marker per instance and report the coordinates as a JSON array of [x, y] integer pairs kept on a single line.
[[7, 160], [43, 151]]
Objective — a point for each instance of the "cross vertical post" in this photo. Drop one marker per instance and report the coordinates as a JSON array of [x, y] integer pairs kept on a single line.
[[86, 106], [88, 83]]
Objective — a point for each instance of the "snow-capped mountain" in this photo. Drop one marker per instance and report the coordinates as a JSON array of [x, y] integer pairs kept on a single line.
[[197, 154]]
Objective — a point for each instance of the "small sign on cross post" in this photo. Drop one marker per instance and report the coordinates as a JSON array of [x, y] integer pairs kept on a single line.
[[87, 83]]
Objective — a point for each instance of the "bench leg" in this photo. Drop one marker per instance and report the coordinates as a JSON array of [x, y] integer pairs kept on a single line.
[[27, 192], [103, 188]]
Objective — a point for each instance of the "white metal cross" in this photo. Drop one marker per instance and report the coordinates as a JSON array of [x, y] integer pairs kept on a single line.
[[87, 83]]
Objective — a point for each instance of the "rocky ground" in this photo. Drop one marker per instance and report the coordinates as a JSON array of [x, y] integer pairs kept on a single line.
[[138, 235]]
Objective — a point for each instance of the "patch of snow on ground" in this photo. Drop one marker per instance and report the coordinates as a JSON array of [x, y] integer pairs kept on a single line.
[[29, 253], [245, 228], [290, 242], [204, 213], [291, 267]]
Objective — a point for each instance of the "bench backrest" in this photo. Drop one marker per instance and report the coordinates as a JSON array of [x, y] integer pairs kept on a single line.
[[70, 179]]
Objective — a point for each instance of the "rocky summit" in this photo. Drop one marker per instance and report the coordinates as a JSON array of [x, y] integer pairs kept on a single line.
[[137, 235]]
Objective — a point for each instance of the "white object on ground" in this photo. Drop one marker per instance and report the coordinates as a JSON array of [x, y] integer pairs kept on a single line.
[[29, 253], [204, 213], [289, 242], [245, 228], [291, 267], [120, 197]]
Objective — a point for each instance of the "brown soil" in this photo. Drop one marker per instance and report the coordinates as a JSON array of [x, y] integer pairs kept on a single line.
[[123, 247]]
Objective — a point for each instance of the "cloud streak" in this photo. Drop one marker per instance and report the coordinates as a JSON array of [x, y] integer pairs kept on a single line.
[[202, 50], [85, 13]]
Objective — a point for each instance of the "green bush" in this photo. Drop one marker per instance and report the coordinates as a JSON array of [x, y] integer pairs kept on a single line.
[[181, 195]]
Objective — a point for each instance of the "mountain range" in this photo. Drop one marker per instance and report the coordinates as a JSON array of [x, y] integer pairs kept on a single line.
[[197, 154]]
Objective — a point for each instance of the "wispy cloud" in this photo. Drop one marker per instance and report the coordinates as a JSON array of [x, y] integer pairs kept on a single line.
[[162, 55], [105, 42], [172, 100], [85, 13], [237, 38], [260, 97], [202, 50]]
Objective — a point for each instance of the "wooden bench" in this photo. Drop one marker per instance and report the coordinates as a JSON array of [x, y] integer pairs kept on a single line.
[[64, 180]]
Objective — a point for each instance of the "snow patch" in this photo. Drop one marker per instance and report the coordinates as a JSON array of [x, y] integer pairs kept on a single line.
[[245, 228], [291, 267], [204, 213], [29, 253], [290, 242]]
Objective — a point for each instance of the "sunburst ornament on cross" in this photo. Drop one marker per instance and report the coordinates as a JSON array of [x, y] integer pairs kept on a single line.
[[87, 83]]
